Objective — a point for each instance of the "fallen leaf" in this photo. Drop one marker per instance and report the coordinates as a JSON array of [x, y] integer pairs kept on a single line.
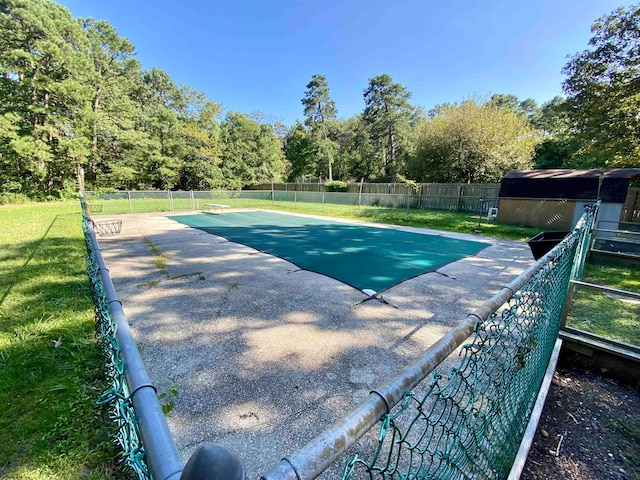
[[544, 433]]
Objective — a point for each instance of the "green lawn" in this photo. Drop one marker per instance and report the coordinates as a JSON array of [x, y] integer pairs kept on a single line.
[[51, 370], [604, 314]]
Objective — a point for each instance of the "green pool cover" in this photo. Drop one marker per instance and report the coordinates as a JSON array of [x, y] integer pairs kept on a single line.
[[361, 256]]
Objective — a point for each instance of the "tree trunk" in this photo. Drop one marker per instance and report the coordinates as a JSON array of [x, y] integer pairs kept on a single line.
[[45, 118], [34, 98], [94, 135], [392, 157], [95, 106]]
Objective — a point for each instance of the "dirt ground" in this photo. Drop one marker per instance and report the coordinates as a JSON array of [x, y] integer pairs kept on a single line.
[[589, 429]]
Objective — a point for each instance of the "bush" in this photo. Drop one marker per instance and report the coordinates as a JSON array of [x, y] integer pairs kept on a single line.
[[12, 198], [336, 186]]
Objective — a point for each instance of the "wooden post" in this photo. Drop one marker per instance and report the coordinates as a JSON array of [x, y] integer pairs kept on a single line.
[[80, 176], [407, 206], [567, 304]]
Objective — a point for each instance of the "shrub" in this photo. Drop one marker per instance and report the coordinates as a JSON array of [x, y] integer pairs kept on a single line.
[[11, 198], [336, 186]]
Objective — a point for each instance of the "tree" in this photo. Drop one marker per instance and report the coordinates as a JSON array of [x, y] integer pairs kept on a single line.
[[162, 106], [202, 144], [356, 151], [112, 63], [252, 152], [472, 143], [388, 113], [557, 146], [526, 108], [319, 111], [72, 94], [603, 89], [299, 151], [44, 93]]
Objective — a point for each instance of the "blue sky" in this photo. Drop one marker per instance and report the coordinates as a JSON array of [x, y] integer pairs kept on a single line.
[[259, 55]]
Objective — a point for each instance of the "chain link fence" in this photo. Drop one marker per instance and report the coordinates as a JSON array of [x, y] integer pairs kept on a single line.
[[117, 397], [466, 424], [458, 200]]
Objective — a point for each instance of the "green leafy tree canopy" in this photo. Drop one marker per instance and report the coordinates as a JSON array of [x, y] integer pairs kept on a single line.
[[472, 142], [388, 114], [603, 89]]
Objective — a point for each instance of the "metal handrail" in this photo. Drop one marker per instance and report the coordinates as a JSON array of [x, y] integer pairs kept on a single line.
[[609, 230], [611, 290]]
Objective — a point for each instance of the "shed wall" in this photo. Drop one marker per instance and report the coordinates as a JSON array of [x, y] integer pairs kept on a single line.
[[541, 213]]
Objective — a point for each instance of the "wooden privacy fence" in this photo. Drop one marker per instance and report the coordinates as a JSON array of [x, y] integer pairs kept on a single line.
[[631, 207], [391, 188], [440, 196]]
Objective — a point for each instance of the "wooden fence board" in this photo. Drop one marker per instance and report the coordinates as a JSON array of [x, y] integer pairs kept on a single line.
[[631, 207]]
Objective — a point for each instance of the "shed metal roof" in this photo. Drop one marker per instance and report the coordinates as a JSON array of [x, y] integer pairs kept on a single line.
[[569, 184], [558, 173]]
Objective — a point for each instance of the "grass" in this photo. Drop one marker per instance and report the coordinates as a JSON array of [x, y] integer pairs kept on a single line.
[[51, 369], [604, 314], [434, 219], [159, 259], [616, 276]]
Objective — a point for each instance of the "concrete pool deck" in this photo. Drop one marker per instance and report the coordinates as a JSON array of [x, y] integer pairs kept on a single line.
[[265, 355]]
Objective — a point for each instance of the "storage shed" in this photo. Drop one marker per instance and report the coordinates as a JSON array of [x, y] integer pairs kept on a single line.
[[555, 198]]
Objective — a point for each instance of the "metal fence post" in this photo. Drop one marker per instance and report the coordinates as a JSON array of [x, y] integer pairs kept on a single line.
[[407, 206], [130, 204], [193, 202], [567, 304]]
